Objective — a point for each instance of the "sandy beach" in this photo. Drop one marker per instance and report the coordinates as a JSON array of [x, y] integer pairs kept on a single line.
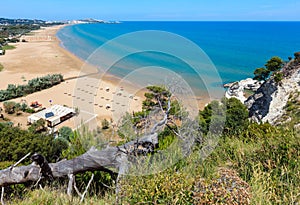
[[42, 55]]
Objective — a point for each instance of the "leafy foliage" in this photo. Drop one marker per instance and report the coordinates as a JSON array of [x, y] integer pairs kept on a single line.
[[167, 187], [212, 116], [278, 77], [272, 65], [33, 85], [261, 156], [15, 143], [66, 133], [261, 74], [38, 126]]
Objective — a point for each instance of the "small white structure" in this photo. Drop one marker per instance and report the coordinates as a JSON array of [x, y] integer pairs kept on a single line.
[[53, 115], [107, 89], [1, 52]]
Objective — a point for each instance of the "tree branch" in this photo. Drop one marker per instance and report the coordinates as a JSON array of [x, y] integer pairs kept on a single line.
[[109, 160], [2, 195], [164, 120]]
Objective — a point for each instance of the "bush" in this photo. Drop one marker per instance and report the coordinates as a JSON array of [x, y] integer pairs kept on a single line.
[[105, 124], [9, 107], [16, 143], [278, 77], [212, 117], [274, 64], [66, 133], [297, 55], [261, 74], [167, 187], [34, 85]]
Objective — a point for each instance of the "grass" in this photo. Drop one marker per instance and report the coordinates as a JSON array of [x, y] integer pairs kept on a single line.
[[1, 67], [261, 163], [248, 93], [8, 47], [264, 158], [58, 196]]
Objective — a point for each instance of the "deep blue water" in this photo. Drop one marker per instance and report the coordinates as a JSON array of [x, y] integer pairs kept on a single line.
[[235, 48]]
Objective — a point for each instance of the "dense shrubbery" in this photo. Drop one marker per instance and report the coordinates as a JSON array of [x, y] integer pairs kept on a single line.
[[14, 30], [16, 143], [34, 85], [257, 161], [231, 114]]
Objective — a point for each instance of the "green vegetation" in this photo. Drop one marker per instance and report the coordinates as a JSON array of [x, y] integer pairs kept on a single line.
[[11, 33], [261, 74], [8, 47], [297, 56], [34, 85], [272, 66], [66, 133], [16, 143], [252, 163], [105, 124], [232, 109], [291, 116], [1, 67], [278, 77]]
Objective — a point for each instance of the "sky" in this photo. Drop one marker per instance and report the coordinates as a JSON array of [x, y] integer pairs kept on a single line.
[[154, 10]]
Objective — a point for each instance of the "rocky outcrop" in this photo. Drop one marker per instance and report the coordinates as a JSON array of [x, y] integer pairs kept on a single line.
[[267, 104], [236, 89]]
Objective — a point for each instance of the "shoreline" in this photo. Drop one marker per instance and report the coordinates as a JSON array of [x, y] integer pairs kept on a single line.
[[43, 54], [202, 99]]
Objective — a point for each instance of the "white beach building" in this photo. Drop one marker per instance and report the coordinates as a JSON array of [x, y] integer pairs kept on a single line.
[[53, 115]]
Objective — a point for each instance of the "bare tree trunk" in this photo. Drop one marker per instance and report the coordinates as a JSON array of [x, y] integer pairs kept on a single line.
[[109, 160]]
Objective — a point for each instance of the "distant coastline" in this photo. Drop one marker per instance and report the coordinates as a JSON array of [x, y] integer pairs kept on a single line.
[[236, 48]]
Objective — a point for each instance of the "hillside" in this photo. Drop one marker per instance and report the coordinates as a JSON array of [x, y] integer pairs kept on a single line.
[[269, 101], [220, 158]]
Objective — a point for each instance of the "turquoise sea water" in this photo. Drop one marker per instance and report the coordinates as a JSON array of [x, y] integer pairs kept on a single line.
[[235, 48]]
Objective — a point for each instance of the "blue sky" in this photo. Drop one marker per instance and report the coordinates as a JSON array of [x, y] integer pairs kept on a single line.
[[203, 10]]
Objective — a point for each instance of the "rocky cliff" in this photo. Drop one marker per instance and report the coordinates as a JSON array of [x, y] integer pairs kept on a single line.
[[268, 102], [237, 89]]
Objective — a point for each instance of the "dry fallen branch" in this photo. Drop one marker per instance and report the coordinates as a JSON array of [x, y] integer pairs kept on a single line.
[[2, 195], [109, 160]]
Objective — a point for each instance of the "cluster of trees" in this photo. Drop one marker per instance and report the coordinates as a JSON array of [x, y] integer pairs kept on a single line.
[[16, 27], [7, 31], [272, 66], [34, 85], [11, 107], [231, 114], [16, 143], [13, 30], [265, 157]]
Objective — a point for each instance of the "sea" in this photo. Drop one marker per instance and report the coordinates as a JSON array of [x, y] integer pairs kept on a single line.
[[205, 55]]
